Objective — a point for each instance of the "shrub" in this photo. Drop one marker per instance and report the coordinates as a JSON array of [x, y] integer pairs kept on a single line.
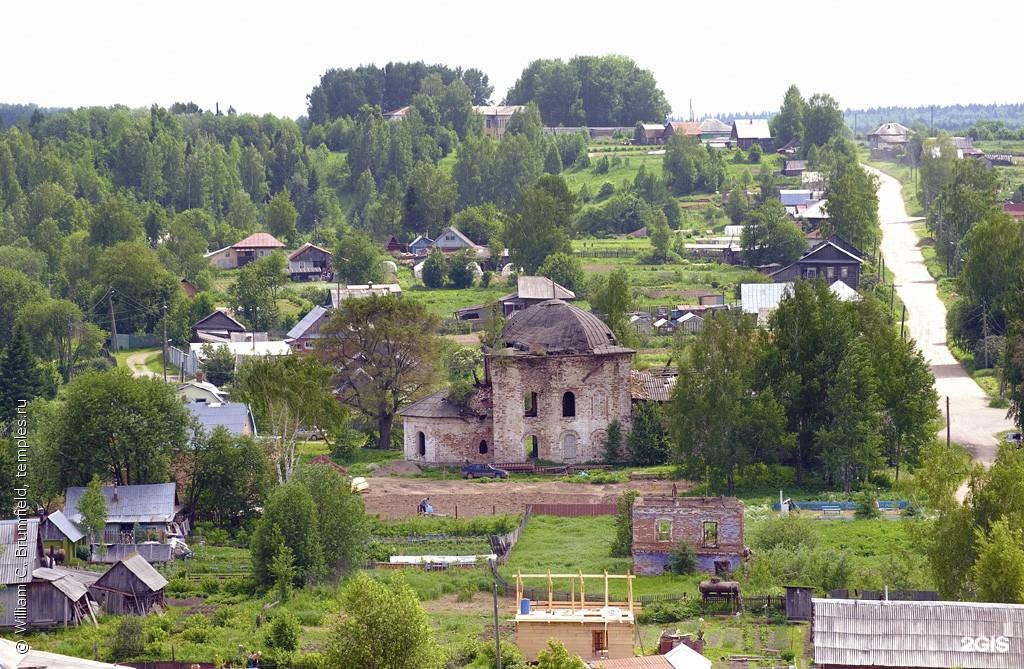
[[283, 632], [196, 629], [683, 560], [485, 279], [754, 155], [128, 640], [785, 532], [867, 505], [661, 613], [623, 543], [602, 165], [208, 585], [607, 190]]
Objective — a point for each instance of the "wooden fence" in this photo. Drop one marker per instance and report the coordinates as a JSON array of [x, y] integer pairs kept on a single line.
[[575, 510], [609, 253], [502, 544]]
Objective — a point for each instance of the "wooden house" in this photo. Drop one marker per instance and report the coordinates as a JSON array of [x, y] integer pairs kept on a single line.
[[201, 390], [395, 247], [601, 629], [714, 132], [130, 587], [713, 526], [889, 135], [421, 245], [235, 417], [530, 290], [649, 133], [831, 259], [496, 117], [60, 537], [310, 263], [242, 253], [152, 508], [793, 168], [342, 293], [684, 128], [21, 553], [747, 132], [216, 327], [303, 336]]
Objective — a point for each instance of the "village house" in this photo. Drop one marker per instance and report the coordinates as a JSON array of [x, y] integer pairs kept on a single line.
[[889, 136], [235, 417], [712, 526], [421, 245], [240, 254], [726, 251], [217, 327], [341, 293], [714, 133], [761, 299], [201, 390], [793, 168], [395, 247], [130, 587], [854, 634], [831, 259], [60, 537], [747, 132], [649, 133], [684, 128], [550, 390], [310, 263], [496, 117], [151, 508], [530, 290], [303, 336]]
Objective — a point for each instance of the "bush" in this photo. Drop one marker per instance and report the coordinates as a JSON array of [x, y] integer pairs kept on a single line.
[[754, 155], [485, 279], [783, 532], [128, 639], [607, 190], [283, 632], [602, 165], [867, 505], [662, 613], [623, 543], [196, 629], [683, 560]]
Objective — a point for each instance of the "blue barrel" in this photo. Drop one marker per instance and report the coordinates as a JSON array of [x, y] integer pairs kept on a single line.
[[524, 606]]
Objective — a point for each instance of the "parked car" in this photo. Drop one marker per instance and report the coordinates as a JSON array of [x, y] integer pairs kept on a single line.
[[1014, 438], [470, 471]]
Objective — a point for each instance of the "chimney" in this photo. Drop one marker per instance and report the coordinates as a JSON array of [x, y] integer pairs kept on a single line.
[[200, 376]]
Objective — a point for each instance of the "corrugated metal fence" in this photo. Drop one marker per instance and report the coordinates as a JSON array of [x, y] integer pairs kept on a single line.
[[182, 360]]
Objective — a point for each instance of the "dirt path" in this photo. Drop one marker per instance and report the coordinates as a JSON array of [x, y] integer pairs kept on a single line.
[[136, 362], [972, 422], [397, 497]]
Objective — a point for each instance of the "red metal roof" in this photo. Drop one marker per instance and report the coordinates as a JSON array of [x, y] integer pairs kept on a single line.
[[1015, 209], [685, 127], [259, 240]]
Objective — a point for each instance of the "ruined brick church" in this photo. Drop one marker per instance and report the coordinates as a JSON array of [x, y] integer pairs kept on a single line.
[[551, 387]]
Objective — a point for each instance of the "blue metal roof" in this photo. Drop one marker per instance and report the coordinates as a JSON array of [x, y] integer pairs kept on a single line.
[[235, 416]]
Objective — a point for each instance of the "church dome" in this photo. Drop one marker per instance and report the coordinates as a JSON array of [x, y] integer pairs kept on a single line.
[[554, 327]]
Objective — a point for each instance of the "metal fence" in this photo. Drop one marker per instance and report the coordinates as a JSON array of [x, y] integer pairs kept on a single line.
[[502, 544], [182, 361], [125, 342]]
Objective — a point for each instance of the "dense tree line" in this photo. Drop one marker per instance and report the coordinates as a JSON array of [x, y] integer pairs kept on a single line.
[[951, 118], [600, 91], [829, 388], [343, 92]]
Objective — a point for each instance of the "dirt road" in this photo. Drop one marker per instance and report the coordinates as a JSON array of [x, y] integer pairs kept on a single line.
[[136, 362], [397, 497], [973, 423]]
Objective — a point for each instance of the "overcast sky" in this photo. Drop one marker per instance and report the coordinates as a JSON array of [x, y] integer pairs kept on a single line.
[[725, 56]]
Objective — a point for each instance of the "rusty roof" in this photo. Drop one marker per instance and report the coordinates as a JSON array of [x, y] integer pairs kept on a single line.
[[685, 127], [554, 327], [652, 384], [259, 240]]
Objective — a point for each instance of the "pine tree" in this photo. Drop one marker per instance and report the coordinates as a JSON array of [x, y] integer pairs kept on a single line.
[[20, 379], [553, 160]]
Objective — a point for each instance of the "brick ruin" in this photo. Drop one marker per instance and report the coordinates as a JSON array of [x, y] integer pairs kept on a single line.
[[713, 526], [549, 393]]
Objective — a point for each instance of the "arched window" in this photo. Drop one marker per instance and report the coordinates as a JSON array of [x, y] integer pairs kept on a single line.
[[568, 405], [421, 444], [483, 447]]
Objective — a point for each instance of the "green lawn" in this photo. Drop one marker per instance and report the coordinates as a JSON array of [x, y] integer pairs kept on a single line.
[[623, 170], [1012, 146]]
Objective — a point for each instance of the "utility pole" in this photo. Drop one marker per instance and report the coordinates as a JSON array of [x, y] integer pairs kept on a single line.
[[165, 342], [947, 421], [497, 636], [903, 320], [113, 323], [984, 332]]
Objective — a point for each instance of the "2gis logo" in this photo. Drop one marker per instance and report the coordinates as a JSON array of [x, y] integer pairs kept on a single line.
[[985, 644]]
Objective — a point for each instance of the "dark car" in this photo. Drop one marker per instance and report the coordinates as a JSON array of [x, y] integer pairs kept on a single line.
[[470, 471], [1014, 438]]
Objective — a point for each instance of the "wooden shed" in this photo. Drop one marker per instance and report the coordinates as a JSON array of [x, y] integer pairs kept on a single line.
[[798, 602], [60, 536], [131, 586], [56, 599], [21, 553]]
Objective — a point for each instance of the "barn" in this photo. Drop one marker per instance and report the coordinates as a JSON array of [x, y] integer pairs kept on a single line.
[[131, 586]]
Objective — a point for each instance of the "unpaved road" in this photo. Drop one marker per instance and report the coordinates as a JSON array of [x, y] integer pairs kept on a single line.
[[136, 362], [397, 497], [973, 423]]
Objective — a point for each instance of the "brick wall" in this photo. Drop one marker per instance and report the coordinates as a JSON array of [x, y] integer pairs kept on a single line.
[[600, 385], [448, 440], [686, 517]]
